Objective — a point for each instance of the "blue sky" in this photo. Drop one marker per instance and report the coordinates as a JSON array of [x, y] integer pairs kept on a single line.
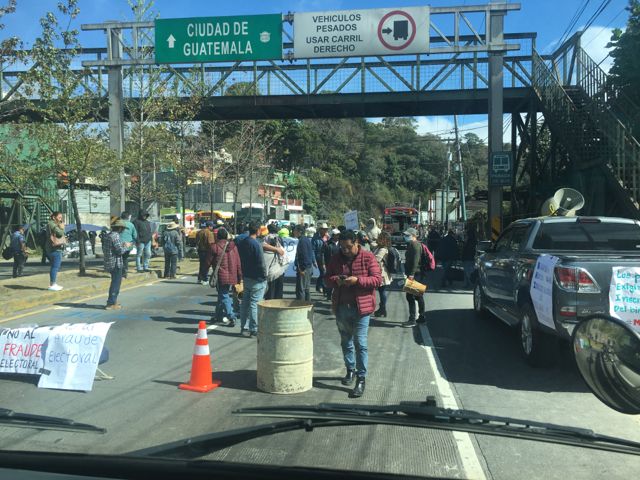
[[549, 18]]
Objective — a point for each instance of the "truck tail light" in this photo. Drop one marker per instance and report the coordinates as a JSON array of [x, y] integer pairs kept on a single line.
[[567, 311], [576, 279]]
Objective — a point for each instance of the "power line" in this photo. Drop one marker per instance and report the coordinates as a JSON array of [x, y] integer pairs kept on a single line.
[[603, 5], [605, 27], [574, 20]]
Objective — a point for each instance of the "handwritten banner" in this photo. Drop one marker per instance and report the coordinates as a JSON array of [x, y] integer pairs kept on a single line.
[[624, 295], [21, 349], [72, 356], [291, 248], [542, 289], [66, 356]]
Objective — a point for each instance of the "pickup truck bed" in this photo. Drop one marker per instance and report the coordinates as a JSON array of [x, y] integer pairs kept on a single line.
[[587, 248]]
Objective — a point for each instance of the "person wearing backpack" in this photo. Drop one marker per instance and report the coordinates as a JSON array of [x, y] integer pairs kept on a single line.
[[18, 247], [385, 260], [172, 246], [417, 263]]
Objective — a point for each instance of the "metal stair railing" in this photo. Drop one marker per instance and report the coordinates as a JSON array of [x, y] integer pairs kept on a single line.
[[615, 147]]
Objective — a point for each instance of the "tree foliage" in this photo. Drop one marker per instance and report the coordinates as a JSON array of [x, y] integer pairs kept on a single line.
[[625, 72]]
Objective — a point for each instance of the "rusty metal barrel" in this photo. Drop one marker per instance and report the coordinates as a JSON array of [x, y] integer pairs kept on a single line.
[[285, 346]]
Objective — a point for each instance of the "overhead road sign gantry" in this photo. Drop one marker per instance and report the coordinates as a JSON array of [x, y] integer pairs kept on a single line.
[[354, 33], [218, 39]]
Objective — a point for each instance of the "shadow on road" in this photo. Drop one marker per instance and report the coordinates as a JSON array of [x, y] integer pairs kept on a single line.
[[23, 287], [197, 313], [237, 380], [182, 320], [487, 352], [167, 382], [20, 378], [374, 322], [317, 383]]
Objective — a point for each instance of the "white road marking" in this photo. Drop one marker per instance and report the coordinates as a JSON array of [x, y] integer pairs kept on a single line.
[[148, 284], [212, 327], [469, 456], [60, 307]]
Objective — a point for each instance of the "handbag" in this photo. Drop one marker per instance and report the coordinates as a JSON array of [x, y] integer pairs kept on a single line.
[[275, 265], [213, 279], [414, 288], [55, 241]]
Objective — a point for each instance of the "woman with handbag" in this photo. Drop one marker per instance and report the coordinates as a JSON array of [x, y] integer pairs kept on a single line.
[[382, 255], [54, 247], [227, 272]]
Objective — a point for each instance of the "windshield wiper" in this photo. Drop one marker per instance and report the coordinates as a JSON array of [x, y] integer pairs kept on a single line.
[[43, 422], [427, 415], [410, 414]]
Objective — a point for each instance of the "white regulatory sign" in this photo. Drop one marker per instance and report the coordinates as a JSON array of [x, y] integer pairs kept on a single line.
[[354, 33]]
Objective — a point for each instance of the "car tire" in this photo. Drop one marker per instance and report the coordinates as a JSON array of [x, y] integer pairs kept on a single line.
[[538, 348], [479, 301]]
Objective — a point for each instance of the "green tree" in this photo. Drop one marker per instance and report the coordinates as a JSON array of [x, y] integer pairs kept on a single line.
[[625, 72], [77, 150]]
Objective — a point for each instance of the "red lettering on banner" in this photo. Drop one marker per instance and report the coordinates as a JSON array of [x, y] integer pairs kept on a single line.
[[16, 350], [636, 322]]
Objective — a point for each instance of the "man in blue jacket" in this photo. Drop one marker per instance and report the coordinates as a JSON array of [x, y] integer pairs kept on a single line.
[[254, 278], [305, 261]]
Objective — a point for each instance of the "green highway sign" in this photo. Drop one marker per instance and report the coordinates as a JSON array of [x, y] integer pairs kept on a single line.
[[218, 39]]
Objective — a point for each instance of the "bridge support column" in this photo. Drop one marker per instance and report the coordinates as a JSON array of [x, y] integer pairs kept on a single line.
[[116, 119], [496, 61]]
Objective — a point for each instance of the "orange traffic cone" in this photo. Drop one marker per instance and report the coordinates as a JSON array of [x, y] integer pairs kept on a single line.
[[201, 375]]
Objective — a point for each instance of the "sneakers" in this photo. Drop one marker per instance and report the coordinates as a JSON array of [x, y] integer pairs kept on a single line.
[[409, 323], [349, 377], [253, 334], [421, 319], [204, 283], [381, 312], [358, 390], [55, 287]]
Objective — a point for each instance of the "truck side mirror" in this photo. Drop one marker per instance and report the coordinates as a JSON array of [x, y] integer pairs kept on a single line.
[[484, 246], [607, 353]]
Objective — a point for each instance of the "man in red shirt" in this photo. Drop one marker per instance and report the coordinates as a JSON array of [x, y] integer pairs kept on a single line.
[[354, 274]]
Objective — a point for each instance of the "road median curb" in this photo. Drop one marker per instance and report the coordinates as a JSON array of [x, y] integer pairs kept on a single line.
[[46, 297]]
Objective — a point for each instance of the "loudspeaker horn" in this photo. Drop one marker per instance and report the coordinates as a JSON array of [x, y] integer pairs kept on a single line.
[[564, 203]]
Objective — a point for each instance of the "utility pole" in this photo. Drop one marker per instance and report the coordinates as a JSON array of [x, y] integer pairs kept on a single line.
[[213, 156], [463, 204]]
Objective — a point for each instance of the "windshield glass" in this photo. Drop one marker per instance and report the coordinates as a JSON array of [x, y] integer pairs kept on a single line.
[[208, 206], [605, 236]]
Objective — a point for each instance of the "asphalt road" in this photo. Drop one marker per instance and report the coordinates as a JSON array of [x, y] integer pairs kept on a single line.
[[463, 361]]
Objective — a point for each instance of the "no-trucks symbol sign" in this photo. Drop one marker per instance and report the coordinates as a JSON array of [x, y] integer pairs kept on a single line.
[[396, 30], [354, 33]]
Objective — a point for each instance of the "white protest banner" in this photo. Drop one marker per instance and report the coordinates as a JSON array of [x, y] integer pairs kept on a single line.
[[624, 295], [542, 289], [349, 33], [351, 220], [291, 247], [21, 349], [72, 354]]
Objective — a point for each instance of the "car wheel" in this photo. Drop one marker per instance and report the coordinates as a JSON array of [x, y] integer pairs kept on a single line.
[[479, 302], [539, 349]]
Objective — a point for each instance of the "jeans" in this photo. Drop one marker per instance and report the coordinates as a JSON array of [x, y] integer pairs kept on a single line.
[[170, 264], [384, 294], [353, 330], [55, 257], [19, 259], [143, 254], [253, 293], [114, 286], [447, 265], [275, 289], [412, 299], [303, 285], [203, 273], [468, 266], [320, 279], [125, 263], [224, 308]]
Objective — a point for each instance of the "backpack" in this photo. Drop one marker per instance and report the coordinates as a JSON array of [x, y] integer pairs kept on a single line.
[[168, 245], [394, 262], [7, 253], [427, 262]]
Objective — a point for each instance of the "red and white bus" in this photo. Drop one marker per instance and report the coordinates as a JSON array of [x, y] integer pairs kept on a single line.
[[397, 219]]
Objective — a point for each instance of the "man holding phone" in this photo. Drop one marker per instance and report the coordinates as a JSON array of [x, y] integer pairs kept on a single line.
[[356, 275]]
